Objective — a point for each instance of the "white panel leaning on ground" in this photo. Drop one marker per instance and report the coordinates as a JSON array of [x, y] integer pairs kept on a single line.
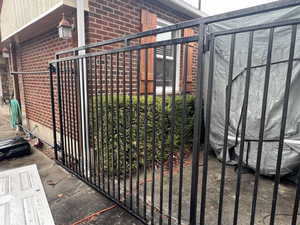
[[22, 198]]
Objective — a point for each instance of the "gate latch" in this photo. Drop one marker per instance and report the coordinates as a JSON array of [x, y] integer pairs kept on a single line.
[[52, 68], [207, 40]]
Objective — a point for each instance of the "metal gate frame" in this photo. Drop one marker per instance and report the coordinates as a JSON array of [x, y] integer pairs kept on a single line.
[[206, 41]]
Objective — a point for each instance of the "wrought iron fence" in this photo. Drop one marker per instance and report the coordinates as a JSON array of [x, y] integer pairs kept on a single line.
[[129, 121]]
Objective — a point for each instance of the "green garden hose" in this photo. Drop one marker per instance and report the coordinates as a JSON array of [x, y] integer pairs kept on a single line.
[[14, 113]]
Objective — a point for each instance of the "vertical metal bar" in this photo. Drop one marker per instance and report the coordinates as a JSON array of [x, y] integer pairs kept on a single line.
[[163, 137], [145, 131], [74, 113], [75, 116], [296, 203], [243, 132], [138, 77], [197, 125], [153, 135], [69, 120], [86, 115], [90, 118], [130, 127], [102, 125], [124, 125], [283, 122], [97, 121], [127, 43], [182, 139], [107, 127], [83, 103], [51, 68], [112, 123], [94, 118], [78, 113], [118, 126], [173, 124], [90, 124], [262, 126], [227, 117], [75, 158], [64, 113], [207, 133]]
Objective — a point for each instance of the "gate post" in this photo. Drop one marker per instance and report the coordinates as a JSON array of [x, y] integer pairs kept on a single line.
[[51, 70], [84, 114], [197, 124], [83, 88], [61, 147]]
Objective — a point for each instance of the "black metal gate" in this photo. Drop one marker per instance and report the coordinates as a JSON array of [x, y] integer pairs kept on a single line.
[[127, 120]]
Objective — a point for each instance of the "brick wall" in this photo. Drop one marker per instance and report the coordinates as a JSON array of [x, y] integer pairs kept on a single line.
[[106, 19], [34, 55], [114, 18]]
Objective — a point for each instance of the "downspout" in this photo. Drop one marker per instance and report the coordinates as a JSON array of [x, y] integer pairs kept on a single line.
[[12, 64], [13, 67], [80, 24], [83, 80]]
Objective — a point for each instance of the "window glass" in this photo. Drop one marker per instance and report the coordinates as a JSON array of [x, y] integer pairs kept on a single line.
[[169, 58], [169, 72]]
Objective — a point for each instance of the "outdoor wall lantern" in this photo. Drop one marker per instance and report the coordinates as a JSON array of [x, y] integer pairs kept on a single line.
[[64, 28], [5, 53]]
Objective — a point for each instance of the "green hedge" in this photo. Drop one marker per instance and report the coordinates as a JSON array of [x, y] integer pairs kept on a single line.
[[136, 126]]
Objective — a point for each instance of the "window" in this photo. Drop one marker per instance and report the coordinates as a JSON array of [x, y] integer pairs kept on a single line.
[[169, 60]]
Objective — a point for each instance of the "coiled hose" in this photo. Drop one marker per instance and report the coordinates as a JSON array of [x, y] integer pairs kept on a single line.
[[14, 113]]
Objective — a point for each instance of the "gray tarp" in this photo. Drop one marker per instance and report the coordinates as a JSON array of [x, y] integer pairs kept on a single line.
[[281, 48]]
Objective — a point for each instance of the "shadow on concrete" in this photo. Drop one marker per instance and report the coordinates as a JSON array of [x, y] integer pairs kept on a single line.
[[69, 198]]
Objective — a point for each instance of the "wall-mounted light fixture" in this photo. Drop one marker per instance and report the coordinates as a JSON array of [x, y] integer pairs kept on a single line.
[[5, 53], [64, 28]]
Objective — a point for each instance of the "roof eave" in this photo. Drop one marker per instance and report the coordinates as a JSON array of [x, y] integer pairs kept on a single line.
[[184, 8], [1, 3]]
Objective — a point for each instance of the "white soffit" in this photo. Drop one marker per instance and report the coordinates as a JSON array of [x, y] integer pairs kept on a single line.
[[183, 7]]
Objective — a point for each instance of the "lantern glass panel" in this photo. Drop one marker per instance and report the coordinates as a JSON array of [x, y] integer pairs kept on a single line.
[[65, 32]]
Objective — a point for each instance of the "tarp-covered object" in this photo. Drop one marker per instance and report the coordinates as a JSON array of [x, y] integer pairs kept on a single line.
[[281, 50]]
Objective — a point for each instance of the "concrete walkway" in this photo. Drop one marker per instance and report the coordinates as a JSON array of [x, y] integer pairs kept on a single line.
[[69, 198], [5, 130]]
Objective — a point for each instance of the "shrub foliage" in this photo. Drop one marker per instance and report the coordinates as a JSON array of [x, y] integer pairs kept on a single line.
[[136, 132]]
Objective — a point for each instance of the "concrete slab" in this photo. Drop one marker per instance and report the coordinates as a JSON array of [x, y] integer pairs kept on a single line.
[[5, 130], [285, 202], [69, 198]]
